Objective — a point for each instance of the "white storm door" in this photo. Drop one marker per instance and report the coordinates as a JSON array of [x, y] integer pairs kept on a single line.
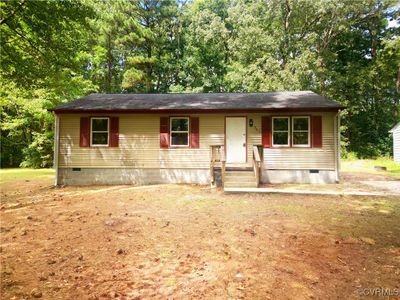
[[235, 130]]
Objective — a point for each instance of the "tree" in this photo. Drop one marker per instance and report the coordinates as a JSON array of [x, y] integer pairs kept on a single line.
[[39, 38], [41, 41], [364, 76], [206, 52], [56, 51], [148, 38]]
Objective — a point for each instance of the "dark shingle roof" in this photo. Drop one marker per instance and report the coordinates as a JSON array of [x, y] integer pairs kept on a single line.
[[197, 102]]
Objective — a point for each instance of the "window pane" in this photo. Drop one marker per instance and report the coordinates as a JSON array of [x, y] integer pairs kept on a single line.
[[280, 138], [281, 124], [99, 138], [180, 125], [300, 123], [300, 138], [99, 124], [179, 139]]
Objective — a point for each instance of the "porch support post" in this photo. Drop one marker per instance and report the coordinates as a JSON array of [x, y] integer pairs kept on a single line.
[[223, 167], [223, 164], [212, 162]]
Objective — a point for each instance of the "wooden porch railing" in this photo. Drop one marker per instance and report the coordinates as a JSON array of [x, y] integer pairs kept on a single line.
[[257, 164], [217, 153]]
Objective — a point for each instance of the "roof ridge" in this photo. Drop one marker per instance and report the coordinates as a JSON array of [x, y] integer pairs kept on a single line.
[[200, 101], [213, 93]]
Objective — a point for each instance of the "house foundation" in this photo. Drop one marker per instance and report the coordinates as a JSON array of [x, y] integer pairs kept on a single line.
[[112, 176]]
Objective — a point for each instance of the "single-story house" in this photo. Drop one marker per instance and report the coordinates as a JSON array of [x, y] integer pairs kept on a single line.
[[395, 131], [233, 139]]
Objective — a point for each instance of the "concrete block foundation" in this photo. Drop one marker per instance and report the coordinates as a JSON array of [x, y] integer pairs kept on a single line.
[[114, 176], [298, 176], [106, 176]]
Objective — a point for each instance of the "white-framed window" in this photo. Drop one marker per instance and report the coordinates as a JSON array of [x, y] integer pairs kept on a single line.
[[179, 131], [300, 131], [99, 131], [280, 131]]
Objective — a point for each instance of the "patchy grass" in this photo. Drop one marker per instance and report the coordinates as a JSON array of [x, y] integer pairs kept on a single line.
[[356, 217], [14, 174], [367, 166]]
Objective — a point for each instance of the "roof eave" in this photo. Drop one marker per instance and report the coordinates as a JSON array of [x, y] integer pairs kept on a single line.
[[196, 110], [394, 128]]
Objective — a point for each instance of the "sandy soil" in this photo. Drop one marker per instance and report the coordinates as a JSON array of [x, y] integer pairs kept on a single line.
[[191, 242]]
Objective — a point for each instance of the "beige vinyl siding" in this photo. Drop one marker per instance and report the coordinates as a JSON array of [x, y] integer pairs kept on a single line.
[[306, 158], [139, 145]]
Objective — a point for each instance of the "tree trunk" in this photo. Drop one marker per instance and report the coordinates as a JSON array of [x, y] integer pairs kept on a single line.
[[286, 42], [149, 70], [109, 65]]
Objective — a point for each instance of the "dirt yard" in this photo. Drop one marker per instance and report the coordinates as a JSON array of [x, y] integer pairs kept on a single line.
[[181, 242]]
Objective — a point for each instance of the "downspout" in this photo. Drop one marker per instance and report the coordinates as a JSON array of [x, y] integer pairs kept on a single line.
[[338, 146], [56, 146]]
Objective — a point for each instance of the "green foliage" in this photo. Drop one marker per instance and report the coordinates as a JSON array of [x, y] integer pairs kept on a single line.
[[21, 119], [42, 42], [38, 37], [55, 51], [149, 43], [349, 156], [206, 36], [27, 126], [38, 154], [133, 77]]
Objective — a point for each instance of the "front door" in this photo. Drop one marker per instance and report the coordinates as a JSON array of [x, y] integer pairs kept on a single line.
[[235, 130]]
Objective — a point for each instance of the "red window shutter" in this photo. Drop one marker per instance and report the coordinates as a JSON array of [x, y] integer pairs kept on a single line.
[[164, 132], [266, 132], [114, 131], [84, 140], [316, 133], [194, 133]]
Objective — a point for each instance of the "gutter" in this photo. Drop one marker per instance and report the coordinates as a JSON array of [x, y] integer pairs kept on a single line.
[[337, 146], [56, 146]]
